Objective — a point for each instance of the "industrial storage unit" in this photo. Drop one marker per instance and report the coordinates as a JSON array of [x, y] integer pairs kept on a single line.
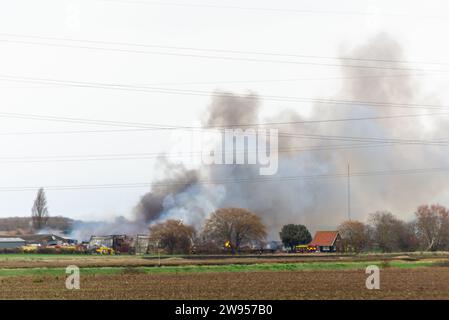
[[119, 242], [142, 244], [11, 243], [43, 239]]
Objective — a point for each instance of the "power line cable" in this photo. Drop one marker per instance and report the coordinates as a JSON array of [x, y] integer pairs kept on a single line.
[[215, 82], [291, 55], [149, 126], [169, 155], [145, 126], [139, 88], [277, 10], [366, 139], [232, 181], [191, 55]]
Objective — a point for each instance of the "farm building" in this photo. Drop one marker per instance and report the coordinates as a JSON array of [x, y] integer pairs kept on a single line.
[[45, 239], [98, 241], [11, 243], [142, 244], [327, 241], [120, 243], [42, 239]]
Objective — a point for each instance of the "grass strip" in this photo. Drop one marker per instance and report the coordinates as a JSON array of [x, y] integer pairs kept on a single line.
[[277, 267]]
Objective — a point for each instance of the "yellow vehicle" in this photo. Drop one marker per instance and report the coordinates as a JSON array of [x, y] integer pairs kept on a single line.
[[301, 248], [304, 248], [104, 250], [29, 249]]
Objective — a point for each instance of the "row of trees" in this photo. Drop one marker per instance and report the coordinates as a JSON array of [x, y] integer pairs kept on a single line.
[[236, 227], [429, 231], [230, 227]]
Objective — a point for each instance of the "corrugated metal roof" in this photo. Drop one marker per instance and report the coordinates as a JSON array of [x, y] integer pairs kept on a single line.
[[11, 240]]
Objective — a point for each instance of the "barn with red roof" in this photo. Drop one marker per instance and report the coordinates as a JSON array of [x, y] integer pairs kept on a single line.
[[326, 241]]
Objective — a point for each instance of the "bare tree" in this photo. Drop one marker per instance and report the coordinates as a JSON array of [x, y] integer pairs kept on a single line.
[[173, 236], [407, 236], [390, 233], [432, 225], [354, 234], [234, 226], [39, 211]]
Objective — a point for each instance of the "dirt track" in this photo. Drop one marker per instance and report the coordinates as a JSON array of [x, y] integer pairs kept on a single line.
[[418, 283]]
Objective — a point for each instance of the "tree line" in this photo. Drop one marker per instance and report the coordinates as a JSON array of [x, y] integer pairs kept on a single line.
[[236, 229], [232, 228], [383, 231], [428, 231]]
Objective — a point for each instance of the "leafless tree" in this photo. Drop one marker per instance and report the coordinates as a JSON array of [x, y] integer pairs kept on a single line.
[[173, 236], [235, 226], [390, 233], [432, 225], [354, 235], [39, 211]]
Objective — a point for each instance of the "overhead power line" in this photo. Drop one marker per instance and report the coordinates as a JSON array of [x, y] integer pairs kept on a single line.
[[230, 181], [231, 58], [268, 10], [260, 53], [184, 155], [143, 127], [146, 126], [140, 88], [366, 139], [151, 126], [215, 82]]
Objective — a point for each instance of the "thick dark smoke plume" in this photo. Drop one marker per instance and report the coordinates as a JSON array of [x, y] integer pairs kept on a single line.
[[177, 179]]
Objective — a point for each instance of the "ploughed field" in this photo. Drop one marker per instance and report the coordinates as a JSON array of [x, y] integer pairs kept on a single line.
[[411, 276], [396, 283]]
